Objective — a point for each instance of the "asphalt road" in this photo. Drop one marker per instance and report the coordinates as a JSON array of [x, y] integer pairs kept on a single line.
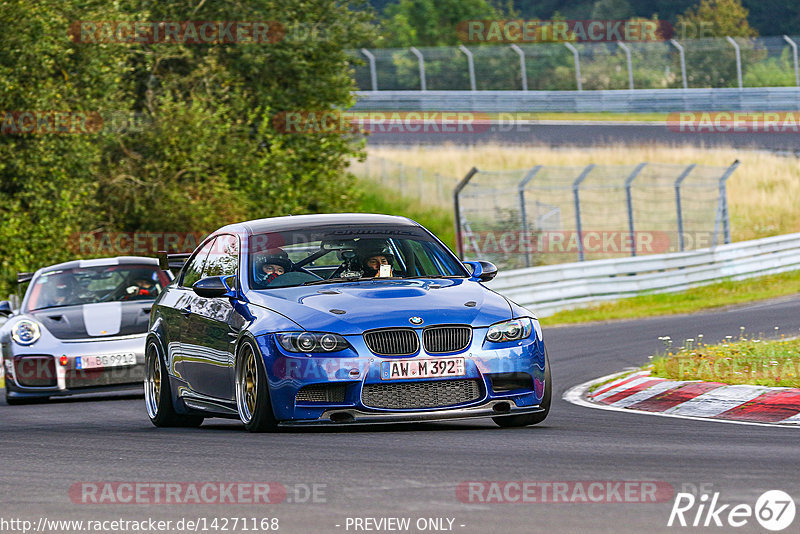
[[413, 471], [557, 134]]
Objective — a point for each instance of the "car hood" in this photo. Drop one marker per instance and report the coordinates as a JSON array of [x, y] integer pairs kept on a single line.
[[99, 320], [353, 307]]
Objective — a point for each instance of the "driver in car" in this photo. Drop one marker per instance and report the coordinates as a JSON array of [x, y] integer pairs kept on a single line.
[[372, 259], [272, 265]]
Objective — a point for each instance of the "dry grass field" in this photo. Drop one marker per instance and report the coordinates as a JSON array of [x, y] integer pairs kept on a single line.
[[763, 193]]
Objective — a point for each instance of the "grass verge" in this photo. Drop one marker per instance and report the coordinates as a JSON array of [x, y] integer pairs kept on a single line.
[[742, 361], [692, 300]]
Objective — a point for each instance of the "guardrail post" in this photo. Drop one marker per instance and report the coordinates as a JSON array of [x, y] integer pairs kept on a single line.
[[682, 55], [522, 68], [470, 66], [627, 50], [679, 209], [576, 198], [629, 199], [577, 65], [373, 71], [738, 60], [794, 57], [461, 185], [423, 86], [523, 210]]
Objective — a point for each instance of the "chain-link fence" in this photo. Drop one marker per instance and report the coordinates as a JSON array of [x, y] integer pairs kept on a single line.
[[548, 215], [689, 63]]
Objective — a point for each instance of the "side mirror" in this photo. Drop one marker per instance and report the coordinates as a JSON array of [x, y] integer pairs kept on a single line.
[[482, 271], [5, 309], [214, 287]]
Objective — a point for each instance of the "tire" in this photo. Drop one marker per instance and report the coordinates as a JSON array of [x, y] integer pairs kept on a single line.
[[511, 421], [252, 390], [158, 393]]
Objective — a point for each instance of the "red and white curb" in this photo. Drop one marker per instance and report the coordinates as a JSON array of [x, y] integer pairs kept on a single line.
[[641, 393]]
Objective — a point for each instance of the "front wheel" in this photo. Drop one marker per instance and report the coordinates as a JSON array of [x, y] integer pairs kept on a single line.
[[509, 421], [252, 391], [158, 394]]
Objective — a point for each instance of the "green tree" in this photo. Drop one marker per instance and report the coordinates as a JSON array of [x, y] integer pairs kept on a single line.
[[717, 18], [204, 150]]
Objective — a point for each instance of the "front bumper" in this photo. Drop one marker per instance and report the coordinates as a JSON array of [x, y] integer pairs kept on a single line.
[[36, 370], [335, 417], [358, 371]]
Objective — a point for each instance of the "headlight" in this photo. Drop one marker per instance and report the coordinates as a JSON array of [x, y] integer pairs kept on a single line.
[[312, 342], [510, 330], [25, 332]]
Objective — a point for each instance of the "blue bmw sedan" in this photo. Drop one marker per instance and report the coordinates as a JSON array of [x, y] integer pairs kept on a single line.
[[338, 319]]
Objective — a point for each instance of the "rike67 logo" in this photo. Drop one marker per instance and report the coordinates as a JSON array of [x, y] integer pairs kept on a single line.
[[774, 510]]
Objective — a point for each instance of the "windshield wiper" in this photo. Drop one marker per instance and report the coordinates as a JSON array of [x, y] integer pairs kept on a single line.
[[334, 280]]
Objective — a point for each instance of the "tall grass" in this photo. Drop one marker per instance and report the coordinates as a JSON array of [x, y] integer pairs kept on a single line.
[[763, 193]]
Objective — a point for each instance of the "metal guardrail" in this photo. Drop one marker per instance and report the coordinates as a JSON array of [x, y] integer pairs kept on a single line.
[[549, 289], [622, 101]]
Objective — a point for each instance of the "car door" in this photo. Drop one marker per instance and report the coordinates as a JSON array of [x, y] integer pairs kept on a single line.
[[176, 308], [213, 326]]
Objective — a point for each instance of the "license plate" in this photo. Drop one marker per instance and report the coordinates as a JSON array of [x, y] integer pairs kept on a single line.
[[105, 360], [422, 368]]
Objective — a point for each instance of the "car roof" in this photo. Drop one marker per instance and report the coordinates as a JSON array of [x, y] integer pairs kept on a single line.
[[293, 222], [100, 262]]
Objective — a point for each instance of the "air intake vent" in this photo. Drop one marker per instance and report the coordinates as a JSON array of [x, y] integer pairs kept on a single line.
[[392, 342], [411, 395], [441, 339], [35, 371], [330, 393]]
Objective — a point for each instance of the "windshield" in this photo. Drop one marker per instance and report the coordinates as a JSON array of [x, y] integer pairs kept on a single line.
[[89, 285], [342, 253]]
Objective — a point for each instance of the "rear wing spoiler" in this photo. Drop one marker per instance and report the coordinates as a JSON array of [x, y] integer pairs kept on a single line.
[[24, 277], [172, 262]]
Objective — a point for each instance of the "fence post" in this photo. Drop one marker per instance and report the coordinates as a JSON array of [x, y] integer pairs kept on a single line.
[[794, 57], [723, 203], [470, 66], [461, 185], [627, 50], [576, 198], [738, 60], [522, 68], [678, 207], [629, 199], [577, 65], [423, 86], [523, 210], [682, 55], [373, 72]]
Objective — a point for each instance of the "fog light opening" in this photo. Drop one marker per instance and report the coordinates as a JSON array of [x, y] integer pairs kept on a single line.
[[502, 407], [342, 417]]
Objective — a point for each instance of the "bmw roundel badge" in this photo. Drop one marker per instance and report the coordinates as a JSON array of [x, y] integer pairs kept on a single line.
[[415, 320]]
